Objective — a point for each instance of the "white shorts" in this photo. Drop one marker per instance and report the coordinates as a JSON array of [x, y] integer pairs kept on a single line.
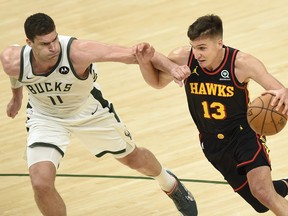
[[100, 130]]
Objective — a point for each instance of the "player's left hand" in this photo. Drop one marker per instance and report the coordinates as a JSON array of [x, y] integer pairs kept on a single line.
[[280, 98]]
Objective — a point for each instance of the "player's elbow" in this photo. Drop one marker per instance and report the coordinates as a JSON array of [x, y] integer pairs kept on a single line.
[[157, 84], [160, 85], [6, 57], [159, 80]]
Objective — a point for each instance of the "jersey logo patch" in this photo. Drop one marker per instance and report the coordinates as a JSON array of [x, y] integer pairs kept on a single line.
[[27, 77], [94, 75], [225, 75], [64, 70], [195, 71], [127, 134]]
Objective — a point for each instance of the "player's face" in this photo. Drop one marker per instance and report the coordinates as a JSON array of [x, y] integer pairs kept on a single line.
[[46, 47], [207, 52]]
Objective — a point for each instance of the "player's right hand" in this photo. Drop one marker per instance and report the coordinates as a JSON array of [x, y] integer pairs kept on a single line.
[[280, 98], [13, 107], [180, 73], [143, 52]]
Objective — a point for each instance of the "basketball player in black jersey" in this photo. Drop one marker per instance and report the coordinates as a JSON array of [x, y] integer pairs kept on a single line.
[[215, 78]]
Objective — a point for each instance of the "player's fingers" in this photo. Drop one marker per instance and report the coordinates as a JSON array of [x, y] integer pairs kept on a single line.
[[135, 49], [177, 73], [151, 50], [143, 46], [11, 114], [186, 71], [183, 72], [179, 82], [285, 103], [138, 48], [276, 101], [278, 105], [285, 110], [138, 52], [272, 92]]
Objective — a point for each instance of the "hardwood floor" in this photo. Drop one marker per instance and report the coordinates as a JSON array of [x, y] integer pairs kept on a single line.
[[158, 119]]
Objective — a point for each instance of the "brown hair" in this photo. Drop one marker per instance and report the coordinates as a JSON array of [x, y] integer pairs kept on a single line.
[[209, 25]]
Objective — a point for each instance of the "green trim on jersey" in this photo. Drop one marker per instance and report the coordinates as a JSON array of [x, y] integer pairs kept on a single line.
[[69, 60], [49, 145], [21, 64]]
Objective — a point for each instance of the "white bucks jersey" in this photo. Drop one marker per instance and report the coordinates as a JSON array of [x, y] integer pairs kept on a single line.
[[59, 92]]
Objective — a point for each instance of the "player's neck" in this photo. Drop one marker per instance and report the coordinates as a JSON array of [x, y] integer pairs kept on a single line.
[[41, 66], [217, 61]]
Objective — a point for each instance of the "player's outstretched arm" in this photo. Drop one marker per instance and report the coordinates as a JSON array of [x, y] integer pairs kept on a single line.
[[158, 70], [10, 60], [249, 67], [85, 52], [144, 53], [175, 65]]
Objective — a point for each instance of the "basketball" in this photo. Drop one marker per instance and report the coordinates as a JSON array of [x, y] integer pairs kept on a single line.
[[263, 118]]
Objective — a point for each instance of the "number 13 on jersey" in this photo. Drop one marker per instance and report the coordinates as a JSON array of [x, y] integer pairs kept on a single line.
[[214, 110]]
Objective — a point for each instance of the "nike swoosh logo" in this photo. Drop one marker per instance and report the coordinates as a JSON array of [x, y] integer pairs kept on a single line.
[[95, 110], [27, 77]]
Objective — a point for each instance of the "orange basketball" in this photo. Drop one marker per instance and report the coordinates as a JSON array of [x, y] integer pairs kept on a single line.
[[263, 118]]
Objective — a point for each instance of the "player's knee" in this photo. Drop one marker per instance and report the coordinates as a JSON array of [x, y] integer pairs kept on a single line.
[[251, 194], [41, 187], [42, 182], [263, 196]]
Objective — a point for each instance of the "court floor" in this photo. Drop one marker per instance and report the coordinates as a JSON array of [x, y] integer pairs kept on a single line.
[[158, 119]]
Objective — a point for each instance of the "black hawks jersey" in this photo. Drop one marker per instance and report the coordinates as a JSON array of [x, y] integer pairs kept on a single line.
[[217, 100]]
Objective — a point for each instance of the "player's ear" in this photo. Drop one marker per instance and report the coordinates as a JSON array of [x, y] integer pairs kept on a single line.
[[29, 42], [220, 42]]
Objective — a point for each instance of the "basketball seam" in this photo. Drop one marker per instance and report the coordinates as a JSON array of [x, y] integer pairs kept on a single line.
[[266, 123], [265, 114]]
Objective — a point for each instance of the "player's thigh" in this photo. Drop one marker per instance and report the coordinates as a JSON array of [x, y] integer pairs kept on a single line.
[[106, 135], [39, 154], [47, 140], [260, 178]]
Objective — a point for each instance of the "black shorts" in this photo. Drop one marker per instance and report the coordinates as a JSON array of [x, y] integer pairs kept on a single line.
[[235, 152]]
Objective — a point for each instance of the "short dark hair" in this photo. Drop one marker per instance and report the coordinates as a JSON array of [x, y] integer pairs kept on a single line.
[[37, 25], [208, 25]]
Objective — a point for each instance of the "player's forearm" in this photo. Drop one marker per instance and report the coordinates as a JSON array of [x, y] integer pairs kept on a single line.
[[122, 54], [150, 74], [17, 93], [162, 63], [15, 83], [16, 87]]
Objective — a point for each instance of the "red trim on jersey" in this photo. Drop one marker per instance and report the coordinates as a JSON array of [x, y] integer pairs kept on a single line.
[[257, 153], [247, 96], [235, 81], [232, 69], [191, 55], [190, 58], [239, 188]]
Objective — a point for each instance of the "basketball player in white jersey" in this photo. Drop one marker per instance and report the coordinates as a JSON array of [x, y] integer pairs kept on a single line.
[[64, 99]]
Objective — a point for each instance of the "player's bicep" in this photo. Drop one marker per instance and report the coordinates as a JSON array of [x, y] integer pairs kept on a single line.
[[180, 55], [252, 68]]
